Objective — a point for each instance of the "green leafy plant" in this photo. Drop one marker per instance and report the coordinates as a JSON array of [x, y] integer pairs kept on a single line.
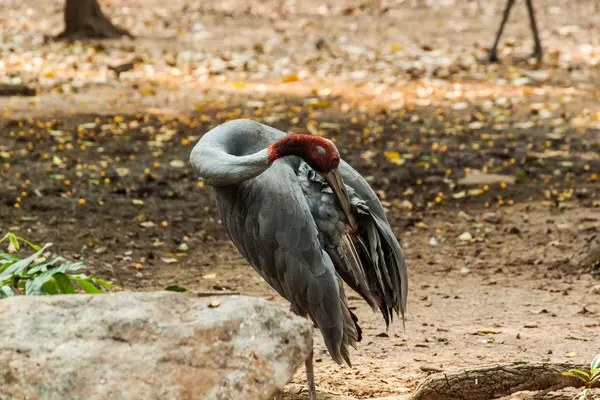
[[36, 275], [590, 378]]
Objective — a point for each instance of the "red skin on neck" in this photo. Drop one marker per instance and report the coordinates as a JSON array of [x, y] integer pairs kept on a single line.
[[304, 146]]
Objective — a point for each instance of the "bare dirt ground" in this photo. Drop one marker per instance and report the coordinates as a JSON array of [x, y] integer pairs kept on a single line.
[[98, 164]]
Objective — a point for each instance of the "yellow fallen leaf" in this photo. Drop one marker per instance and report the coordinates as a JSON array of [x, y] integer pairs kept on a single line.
[[177, 164], [290, 78], [148, 92], [214, 303], [209, 276], [138, 202], [394, 157], [57, 161], [321, 104], [476, 192]]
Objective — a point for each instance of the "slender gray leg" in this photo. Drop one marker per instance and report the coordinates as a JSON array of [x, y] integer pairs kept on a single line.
[[493, 54], [279, 395], [537, 49], [310, 377], [310, 372]]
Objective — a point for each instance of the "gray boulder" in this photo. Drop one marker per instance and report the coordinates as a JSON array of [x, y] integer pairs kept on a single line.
[[159, 345]]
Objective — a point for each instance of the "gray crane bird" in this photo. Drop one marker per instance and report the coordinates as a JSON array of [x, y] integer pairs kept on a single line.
[[306, 221]]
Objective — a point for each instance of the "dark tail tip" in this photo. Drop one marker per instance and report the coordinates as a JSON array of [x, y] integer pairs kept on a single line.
[[358, 330]]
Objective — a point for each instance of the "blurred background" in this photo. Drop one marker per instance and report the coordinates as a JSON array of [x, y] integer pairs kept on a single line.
[[488, 171]]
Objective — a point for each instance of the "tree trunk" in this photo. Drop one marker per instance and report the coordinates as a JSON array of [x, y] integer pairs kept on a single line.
[[85, 20], [489, 382]]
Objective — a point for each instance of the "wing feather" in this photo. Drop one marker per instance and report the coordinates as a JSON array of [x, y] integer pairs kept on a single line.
[[385, 256], [274, 230], [370, 261]]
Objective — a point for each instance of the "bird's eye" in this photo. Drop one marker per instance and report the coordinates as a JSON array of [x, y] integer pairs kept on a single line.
[[335, 160]]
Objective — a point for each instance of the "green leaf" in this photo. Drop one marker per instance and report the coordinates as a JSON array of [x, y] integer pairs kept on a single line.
[[49, 287], [5, 265], [595, 364], [6, 291], [9, 257], [13, 240], [66, 266], [33, 246], [19, 267], [102, 282], [87, 286], [175, 288], [584, 395], [64, 283], [579, 374], [595, 378], [43, 266], [34, 286]]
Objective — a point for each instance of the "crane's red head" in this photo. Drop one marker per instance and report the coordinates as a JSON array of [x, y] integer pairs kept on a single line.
[[320, 153], [322, 156]]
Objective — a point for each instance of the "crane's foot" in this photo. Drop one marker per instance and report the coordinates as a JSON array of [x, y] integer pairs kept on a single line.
[[310, 377], [491, 58], [537, 55], [535, 58]]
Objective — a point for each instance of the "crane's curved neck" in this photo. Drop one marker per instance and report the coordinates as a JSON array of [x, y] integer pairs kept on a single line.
[[224, 156], [292, 145]]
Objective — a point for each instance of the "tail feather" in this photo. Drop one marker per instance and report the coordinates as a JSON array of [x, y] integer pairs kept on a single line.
[[377, 268], [352, 332]]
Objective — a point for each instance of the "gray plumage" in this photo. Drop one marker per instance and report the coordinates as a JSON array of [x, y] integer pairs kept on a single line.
[[284, 219]]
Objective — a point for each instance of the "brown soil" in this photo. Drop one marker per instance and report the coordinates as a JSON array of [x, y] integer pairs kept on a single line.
[[109, 187]]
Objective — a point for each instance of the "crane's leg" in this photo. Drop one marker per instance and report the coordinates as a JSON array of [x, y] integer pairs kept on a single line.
[[310, 377], [493, 54], [310, 372], [279, 395], [537, 50]]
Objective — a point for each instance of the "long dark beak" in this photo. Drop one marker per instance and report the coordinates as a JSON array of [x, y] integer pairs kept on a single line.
[[336, 183]]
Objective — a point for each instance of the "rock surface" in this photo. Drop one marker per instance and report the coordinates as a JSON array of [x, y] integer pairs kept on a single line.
[[159, 345]]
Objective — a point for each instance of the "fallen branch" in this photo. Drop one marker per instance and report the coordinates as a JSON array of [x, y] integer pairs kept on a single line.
[[16, 90], [488, 382], [208, 294]]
